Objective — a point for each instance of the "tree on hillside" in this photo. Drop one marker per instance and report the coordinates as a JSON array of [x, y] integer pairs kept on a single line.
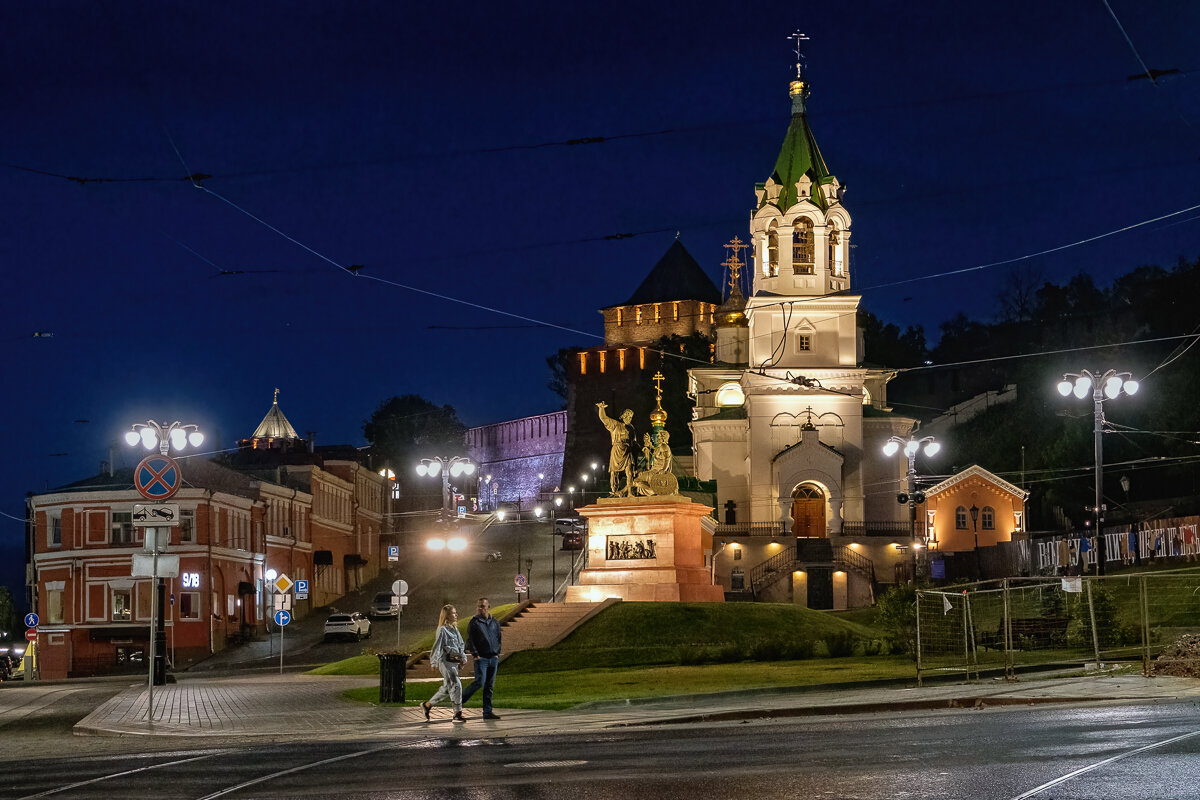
[[560, 364], [405, 429], [8, 611], [885, 344]]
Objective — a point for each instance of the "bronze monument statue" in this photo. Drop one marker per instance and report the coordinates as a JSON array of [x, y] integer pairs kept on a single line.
[[620, 459]]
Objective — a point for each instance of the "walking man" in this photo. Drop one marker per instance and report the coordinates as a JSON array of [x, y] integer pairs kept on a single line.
[[483, 642]]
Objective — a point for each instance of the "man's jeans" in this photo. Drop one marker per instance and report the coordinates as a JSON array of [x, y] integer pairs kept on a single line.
[[485, 676]]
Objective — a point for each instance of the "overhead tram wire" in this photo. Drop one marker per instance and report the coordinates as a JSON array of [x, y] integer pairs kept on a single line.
[[195, 177], [589, 335]]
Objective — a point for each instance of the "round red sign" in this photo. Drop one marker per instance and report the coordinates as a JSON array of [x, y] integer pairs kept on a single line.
[[157, 477], [31, 635]]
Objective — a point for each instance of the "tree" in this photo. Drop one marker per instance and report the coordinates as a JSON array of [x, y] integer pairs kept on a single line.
[[885, 344], [8, 611], [405, 429], [559, 364]]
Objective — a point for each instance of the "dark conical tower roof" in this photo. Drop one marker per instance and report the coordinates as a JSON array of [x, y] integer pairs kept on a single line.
[[676, 276]]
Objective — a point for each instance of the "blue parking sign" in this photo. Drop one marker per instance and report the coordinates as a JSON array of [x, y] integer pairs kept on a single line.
[[393, 553], [301, 587]]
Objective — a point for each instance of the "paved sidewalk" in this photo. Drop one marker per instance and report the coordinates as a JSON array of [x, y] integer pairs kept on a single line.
[[301, 706]]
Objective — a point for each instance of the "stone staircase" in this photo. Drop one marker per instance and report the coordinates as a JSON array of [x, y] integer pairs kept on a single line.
[[532, 626]]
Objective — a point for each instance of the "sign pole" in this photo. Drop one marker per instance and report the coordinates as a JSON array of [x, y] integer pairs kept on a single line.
[[153, 534], [281, 627]]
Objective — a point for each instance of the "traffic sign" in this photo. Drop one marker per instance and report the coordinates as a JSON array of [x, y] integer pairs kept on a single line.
[[521, 581], [155, 516], [393, 553], [283, 583], [400, 588], [31, 620], [157, 477], [301, 589], [282, 617], [31, 635]]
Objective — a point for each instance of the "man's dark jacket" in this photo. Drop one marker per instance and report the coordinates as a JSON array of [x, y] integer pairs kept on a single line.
[[483, 637]]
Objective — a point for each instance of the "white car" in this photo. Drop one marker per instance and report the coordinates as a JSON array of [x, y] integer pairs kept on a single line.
[[354, 625]]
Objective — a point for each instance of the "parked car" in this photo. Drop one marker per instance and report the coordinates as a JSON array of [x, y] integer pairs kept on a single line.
[[381, 607], [572, 532], [354, 625]]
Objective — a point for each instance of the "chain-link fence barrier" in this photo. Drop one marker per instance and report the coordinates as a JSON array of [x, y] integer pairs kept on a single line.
[[1015, 623]]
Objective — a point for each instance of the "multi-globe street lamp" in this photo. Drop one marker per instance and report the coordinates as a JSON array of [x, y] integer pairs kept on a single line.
[[157, 436], [152, 434], [448, 468], [1101, 386], [912, 497]]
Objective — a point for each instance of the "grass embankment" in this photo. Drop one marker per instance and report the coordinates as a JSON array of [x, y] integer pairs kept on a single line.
[[640, 650]]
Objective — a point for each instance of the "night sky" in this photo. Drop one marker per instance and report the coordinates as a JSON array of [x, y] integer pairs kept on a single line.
[[428, 144]]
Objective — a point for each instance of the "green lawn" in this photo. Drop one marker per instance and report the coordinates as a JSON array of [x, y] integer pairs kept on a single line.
[[639, 650], [563, 689]]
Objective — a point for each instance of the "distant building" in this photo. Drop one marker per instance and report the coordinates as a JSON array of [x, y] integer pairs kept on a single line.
[[676, 299], [302, 515], [518, 461], [971, 509]]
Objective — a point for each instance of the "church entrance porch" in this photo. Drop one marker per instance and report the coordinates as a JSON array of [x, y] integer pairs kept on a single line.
[[808, 512]]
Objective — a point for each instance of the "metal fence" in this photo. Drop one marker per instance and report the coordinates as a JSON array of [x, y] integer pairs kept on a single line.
[[1024, 622]]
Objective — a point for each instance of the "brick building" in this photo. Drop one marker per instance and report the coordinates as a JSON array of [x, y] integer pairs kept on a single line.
[[278, 505]]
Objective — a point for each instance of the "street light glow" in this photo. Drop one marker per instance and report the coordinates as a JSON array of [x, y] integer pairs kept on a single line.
[[436, 544], [132, 438], [891, 447]]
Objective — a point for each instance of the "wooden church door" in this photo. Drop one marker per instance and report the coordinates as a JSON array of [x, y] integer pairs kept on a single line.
[[808, 511]]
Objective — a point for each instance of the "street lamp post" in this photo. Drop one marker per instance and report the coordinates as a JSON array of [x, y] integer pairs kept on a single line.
[[448, 468], [975, 526], [1106, 386], [912, 497], [153, 435]]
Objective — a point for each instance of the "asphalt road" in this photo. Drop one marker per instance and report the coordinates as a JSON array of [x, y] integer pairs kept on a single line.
[[434, 578], [1065, 753]]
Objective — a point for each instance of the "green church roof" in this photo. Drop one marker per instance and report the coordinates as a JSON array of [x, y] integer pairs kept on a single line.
[[799, 156]]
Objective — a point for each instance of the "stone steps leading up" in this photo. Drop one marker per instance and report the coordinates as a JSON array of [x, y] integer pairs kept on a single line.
[[533, 626]]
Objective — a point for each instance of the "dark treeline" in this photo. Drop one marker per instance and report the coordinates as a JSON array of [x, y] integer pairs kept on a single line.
[[1046, 435]]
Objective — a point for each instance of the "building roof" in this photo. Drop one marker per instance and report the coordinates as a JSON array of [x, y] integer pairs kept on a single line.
[[799, 156], [676, 276], [977, 471], [198, 473], [275, 425]]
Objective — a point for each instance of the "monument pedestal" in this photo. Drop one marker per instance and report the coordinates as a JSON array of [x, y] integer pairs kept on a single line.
[[646, 548]]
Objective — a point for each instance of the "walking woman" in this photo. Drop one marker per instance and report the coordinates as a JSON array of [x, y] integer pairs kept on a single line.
[[448, 652]]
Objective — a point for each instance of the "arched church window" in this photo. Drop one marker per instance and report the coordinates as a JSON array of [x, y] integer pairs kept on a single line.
[[773, 251], [802, 247], [835, 250], [730, 395], [960, 518]]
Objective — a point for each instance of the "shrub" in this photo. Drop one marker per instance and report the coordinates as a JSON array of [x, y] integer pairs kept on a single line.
[[897, 614], [840, 644], [766, 650], [872, 647], [798, 649]]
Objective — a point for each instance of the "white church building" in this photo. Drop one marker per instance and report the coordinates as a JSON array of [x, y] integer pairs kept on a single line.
[[790, 420]]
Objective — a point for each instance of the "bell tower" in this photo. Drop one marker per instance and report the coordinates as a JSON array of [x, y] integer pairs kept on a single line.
[[800, 231]]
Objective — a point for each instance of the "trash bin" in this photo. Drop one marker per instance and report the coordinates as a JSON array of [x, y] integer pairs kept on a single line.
[[392, 667]]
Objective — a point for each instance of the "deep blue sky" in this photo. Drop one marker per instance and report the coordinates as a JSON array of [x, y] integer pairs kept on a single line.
[[376, 134]]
